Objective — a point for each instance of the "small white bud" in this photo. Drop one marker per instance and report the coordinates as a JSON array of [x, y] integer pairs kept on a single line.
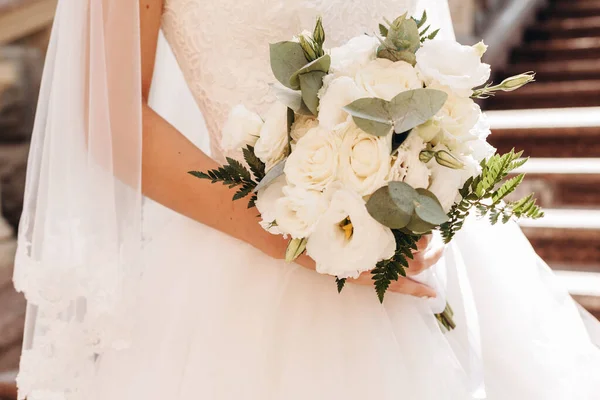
[[480, 48]]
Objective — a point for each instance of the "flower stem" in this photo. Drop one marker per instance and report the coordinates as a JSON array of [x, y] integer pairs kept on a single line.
[[446, 319]]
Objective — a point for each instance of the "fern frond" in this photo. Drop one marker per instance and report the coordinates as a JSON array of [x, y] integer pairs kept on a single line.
[[507, 188], [256, 165], [391, 270]]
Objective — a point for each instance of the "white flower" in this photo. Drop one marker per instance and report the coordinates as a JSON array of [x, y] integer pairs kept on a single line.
[[446, 182], [266, 204], [452, 64], [302, 124], [364, 160], [385, 79], [346, 60], [299, 210], [407, 166], [480, 48], [347, 257], [336, 94], [480, 148], [453, 124], [314, 163], [272, 145], [241, 129]]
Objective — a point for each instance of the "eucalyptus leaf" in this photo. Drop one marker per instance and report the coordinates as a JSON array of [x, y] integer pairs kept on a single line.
[[286, 59], [393, 205], [418, 226], [287, 96], [275, 172], [371, 115], [429, 209], [321, 64], [414, 107], [310, 84], [373, 127]]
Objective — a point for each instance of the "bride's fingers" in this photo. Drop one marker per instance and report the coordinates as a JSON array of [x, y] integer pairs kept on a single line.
[[423, 243], [412, 288], [424, 260]]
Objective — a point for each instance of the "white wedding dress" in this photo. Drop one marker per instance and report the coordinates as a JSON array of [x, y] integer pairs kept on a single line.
[[218, 320]]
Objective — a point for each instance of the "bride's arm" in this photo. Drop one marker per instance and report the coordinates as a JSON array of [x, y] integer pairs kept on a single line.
[[167, 155]]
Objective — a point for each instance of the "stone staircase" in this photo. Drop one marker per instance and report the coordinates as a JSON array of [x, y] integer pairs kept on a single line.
[[556, 121]]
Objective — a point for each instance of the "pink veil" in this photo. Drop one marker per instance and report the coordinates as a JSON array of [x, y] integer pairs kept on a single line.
[[78, 257]]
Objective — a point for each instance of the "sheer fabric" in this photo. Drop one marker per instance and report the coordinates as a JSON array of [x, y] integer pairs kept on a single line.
[[80, 235]]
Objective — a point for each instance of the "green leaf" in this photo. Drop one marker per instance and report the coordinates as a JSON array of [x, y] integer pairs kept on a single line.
[[393, 205], [429, 209], [340, 284], [414, 107], [371, 115], [321, 64], [420, 22], [383, 30], [256, 165], [433, 34], [418, 226], [273, 174], [310, 84], [294, 249], [507, 188], [286, 59], [397, 55]]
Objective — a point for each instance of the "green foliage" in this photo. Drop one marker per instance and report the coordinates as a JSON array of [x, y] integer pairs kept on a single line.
[[340, 284], [295, 249], [391, 270], [423, 34], [404, 112], [398, 205], [401, 40], [235, 175], [486, 193], [446, 319], [274, 173]]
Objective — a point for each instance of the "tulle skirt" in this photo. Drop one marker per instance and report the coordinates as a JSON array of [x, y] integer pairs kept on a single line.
[[219, 320]]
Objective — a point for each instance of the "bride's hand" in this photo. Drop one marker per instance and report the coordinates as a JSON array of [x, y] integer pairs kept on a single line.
[[425, 257]]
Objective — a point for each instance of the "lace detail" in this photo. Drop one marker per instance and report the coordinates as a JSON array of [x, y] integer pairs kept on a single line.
[[222, 47]]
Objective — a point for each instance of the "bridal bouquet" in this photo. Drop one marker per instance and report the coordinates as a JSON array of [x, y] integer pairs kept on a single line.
[[370, 146]]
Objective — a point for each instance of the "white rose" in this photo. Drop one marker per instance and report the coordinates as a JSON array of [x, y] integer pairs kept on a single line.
[[407, 167], [364, 160], [334, 96], [302, 124], [314, 163], [272, 145], [346, 60], [241, 129], [266, 204], [446, 182], [299, 210], [385, 79], [338, 255], [452, 64]]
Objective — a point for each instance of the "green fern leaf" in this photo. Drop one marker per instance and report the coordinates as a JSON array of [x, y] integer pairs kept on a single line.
[[507, 188], [256, 165]]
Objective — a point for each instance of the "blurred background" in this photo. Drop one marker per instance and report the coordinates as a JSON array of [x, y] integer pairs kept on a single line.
[[555, 120]]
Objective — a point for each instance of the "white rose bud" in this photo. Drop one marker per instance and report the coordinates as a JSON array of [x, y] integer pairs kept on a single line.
[[299, 210], [272, 145], [335, 95], [364, 160], [346, 251], [314, 163], [452, 64], [241, 129], [386, 79]]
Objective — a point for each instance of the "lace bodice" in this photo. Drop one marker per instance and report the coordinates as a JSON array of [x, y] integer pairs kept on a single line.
[[223, 46]]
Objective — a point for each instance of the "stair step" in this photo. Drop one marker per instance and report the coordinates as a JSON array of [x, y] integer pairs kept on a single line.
[[549, 95], [572, 9], [561, 182], [547, 133], [567, 236], [584, 48], [570, 70], [564, 28]]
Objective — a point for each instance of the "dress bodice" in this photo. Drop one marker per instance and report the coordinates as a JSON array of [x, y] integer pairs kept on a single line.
[[222, 46]]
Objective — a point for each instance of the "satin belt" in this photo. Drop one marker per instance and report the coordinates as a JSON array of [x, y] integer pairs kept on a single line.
[[452, 269]]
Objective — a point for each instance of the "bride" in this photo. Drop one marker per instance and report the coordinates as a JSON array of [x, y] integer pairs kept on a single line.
[[201, 305]]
